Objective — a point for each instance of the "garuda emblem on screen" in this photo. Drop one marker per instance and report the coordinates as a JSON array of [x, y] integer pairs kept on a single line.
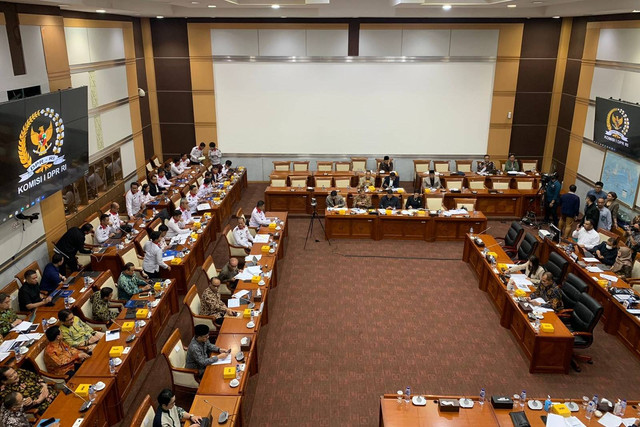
[[617, 124], [40, 142]]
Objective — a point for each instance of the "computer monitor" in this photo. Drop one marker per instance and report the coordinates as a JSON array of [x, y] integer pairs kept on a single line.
[[556, 234]]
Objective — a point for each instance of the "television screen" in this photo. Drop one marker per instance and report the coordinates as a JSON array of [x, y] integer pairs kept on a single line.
[[43, 147], [617, 126]]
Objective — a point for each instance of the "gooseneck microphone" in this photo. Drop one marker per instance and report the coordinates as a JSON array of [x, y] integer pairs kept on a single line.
[[87, 403]]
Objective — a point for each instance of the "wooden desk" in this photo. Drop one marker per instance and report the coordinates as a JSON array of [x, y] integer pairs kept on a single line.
[[213, 382], [404, 227], [547, 352], [231, 404], [106, 410], [232, 341], [238, 325], [77, 285]]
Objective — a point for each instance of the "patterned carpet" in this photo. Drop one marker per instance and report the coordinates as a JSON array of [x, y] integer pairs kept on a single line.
[[355, 319]]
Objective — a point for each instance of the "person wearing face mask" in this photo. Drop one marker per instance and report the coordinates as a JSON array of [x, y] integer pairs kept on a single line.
[[606, 252]]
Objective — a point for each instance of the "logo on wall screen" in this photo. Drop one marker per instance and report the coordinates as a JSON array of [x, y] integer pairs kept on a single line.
[[617, 127], [40, 143]]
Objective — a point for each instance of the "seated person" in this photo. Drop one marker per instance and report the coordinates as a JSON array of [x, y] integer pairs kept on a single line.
[[386, 165], [146, 197], [100, 307], [104, 231], [226, 169], [206, 189], [212, 305], [606, 252], [8, 317], [37, 394], [162, 242], [391, 181], [414, 201], [192, 199], [512, 165], [242, 235], [186, 211], [133, 200], [586, 236], [431, 181], [130, 284], [163, 182], [216, 175], [486, 165], [171, 415], [176, 169], [549, 291], [200, 348], [258, 217], [229, 271], [389, 201], [76, 333], [362, 200], [176, 226], [367, 180], [532, 269], [184, 161], [29, 296], [155, 189], [624, 263], [51, 277], [335, 200], [114, 217], [12, 411], [59, 357]]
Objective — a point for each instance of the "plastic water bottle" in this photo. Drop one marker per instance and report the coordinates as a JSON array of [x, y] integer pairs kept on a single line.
[[482, 396], [523, 398], [407, 393], [595, 400], [623, 407], [547, 404], [66, 303], [92, 393], [137, 326], [616, 408], [44, 325], [237, 372], [591, 408], [112, 366], [155, 212], [471, 232]]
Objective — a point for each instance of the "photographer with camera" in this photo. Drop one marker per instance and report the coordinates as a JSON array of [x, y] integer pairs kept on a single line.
[[632, 233]]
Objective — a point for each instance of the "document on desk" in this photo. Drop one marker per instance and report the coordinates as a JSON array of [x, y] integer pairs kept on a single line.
[[167, 258], [594, 269], [244, 275], [233, 303], [459, 212], [261, 238], [204, 206], [250, 258], [112, 335], [4, 355], [610, 420], [253, 270], [27, 337], [23, 326], [240, 294], [554, 420], [614, 279], [7, 346], [628, 421], [539, 300], [590, 259], [224, 361]]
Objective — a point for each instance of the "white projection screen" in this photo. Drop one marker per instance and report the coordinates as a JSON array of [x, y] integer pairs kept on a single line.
[[354, 108]]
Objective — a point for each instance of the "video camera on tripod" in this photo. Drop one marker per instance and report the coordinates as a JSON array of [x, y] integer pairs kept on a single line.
[[545, 178]]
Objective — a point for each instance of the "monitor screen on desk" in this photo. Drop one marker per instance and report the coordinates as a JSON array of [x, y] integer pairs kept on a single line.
[[556, 234]]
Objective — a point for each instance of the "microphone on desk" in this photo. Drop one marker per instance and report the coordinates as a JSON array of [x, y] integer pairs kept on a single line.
[[131, 336], [87, 403], [484, 231], [239, 355], [224, 415]]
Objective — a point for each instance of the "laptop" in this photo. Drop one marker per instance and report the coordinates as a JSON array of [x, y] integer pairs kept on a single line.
[[206, 421]]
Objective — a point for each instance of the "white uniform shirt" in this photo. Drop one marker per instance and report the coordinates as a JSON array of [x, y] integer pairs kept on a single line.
[[205, 191], [258, 218], [152, 258], [196, 153], [102, 234], [146, 198], [163, 181], [243, 237], [214, 156], [133, 202], [588, 239], [193, 202], [184, 164], [176, 168], [186, 215], [174, 228], [114, 220]]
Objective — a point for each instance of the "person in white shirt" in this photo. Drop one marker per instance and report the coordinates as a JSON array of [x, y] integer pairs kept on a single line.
[[152, 262], [192, 199], [145, 195], [257, 216], [226, 168], [185, 210], [133, 200], [175, 225], [162, 242], [114, 216], [176, 168], [242, 235], [196, 153], [214, 154], [184, 161], [206, 189], [162, 179], [104, 231], [587, 237]]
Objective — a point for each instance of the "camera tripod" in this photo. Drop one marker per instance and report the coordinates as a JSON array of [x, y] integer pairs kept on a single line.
[[314, 215], [530, 218]]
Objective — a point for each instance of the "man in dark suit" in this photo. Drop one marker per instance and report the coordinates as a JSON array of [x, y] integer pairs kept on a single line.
[[392, 181], [591, 211], [414, 201], [432, 181], [390, 201]]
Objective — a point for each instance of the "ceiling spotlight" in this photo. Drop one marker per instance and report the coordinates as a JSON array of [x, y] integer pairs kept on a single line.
[[195, 2], [275, 6], [211, 6], [159, 16], [556, 17], [446, 6], [101, 11], [536, 2], [511, 5], [635, 11]]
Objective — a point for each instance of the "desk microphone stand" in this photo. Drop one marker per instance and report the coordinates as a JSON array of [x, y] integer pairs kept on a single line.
[[310, 230]]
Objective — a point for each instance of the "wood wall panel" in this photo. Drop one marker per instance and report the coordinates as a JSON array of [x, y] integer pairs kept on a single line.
[[141, 75], [204, 102], [152, 93]]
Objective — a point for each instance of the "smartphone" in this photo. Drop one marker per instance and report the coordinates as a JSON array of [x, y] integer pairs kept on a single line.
[[47, 422], [143, 295], [544, 419]]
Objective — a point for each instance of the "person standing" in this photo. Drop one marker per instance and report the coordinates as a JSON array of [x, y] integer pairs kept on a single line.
[[214, 154], [570, 207], [152, 262], [614, 206], [597, 191], [70, 244], [551, 200], [133, 200], [604, 221], [591, 211], [196, 153]]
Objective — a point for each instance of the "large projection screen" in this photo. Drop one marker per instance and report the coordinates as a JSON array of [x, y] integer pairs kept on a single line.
[[435, 108]]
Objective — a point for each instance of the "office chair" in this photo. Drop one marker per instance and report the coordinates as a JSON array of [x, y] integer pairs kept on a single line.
[[557, 265], [527, 247], [583, 320], [511, 239], [571, 289]]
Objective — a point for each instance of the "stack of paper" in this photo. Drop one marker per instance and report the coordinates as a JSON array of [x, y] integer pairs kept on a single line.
[[240, 294], [253, 270], [261, 238], [23, 326], [521, 281], [609, 277], [204, 206], [249, 258], [590, 259], [594, 270], [244, 275]]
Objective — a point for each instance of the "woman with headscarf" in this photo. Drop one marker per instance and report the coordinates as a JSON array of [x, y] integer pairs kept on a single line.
[[623, 264]]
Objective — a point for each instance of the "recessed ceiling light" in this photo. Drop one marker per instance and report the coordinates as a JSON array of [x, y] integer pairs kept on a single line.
[[195, 2], [101, 11], [511, 5], [446, 6], [635, 11], [275, 6], [212, 5], [159, 16], [537, 2], [556, 17]]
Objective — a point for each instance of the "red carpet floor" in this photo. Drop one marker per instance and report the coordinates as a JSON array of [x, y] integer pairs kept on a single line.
[[356, 319]]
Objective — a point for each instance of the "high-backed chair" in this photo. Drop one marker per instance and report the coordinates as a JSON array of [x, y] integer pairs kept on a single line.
[[192, 301], [155, 224], [463, 165], [527, 247], [476, 183], [451, 182], [144, 414], [282, 166], [524, 184], [140, 240], [584, 318], [343, 182], [500, 183], [513, 236], [84, 260], [209, 268], [468, 204], [419, 167], [434, 202], [606, 234], [634, 280], [12, 289], [441, 166], [358, 164], [94, 220], [324, 181], [199, 180], [33, 266], [234, 249], [278, 182], [300, 166], [342, 166], [111, 283], [175, 354], [571, 289], [298, 181], [155, 161], [252, 230], [324, 166], [557, 265], [143, 181], [129, 254], [529, 165], [41, 367], [149, 166]]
